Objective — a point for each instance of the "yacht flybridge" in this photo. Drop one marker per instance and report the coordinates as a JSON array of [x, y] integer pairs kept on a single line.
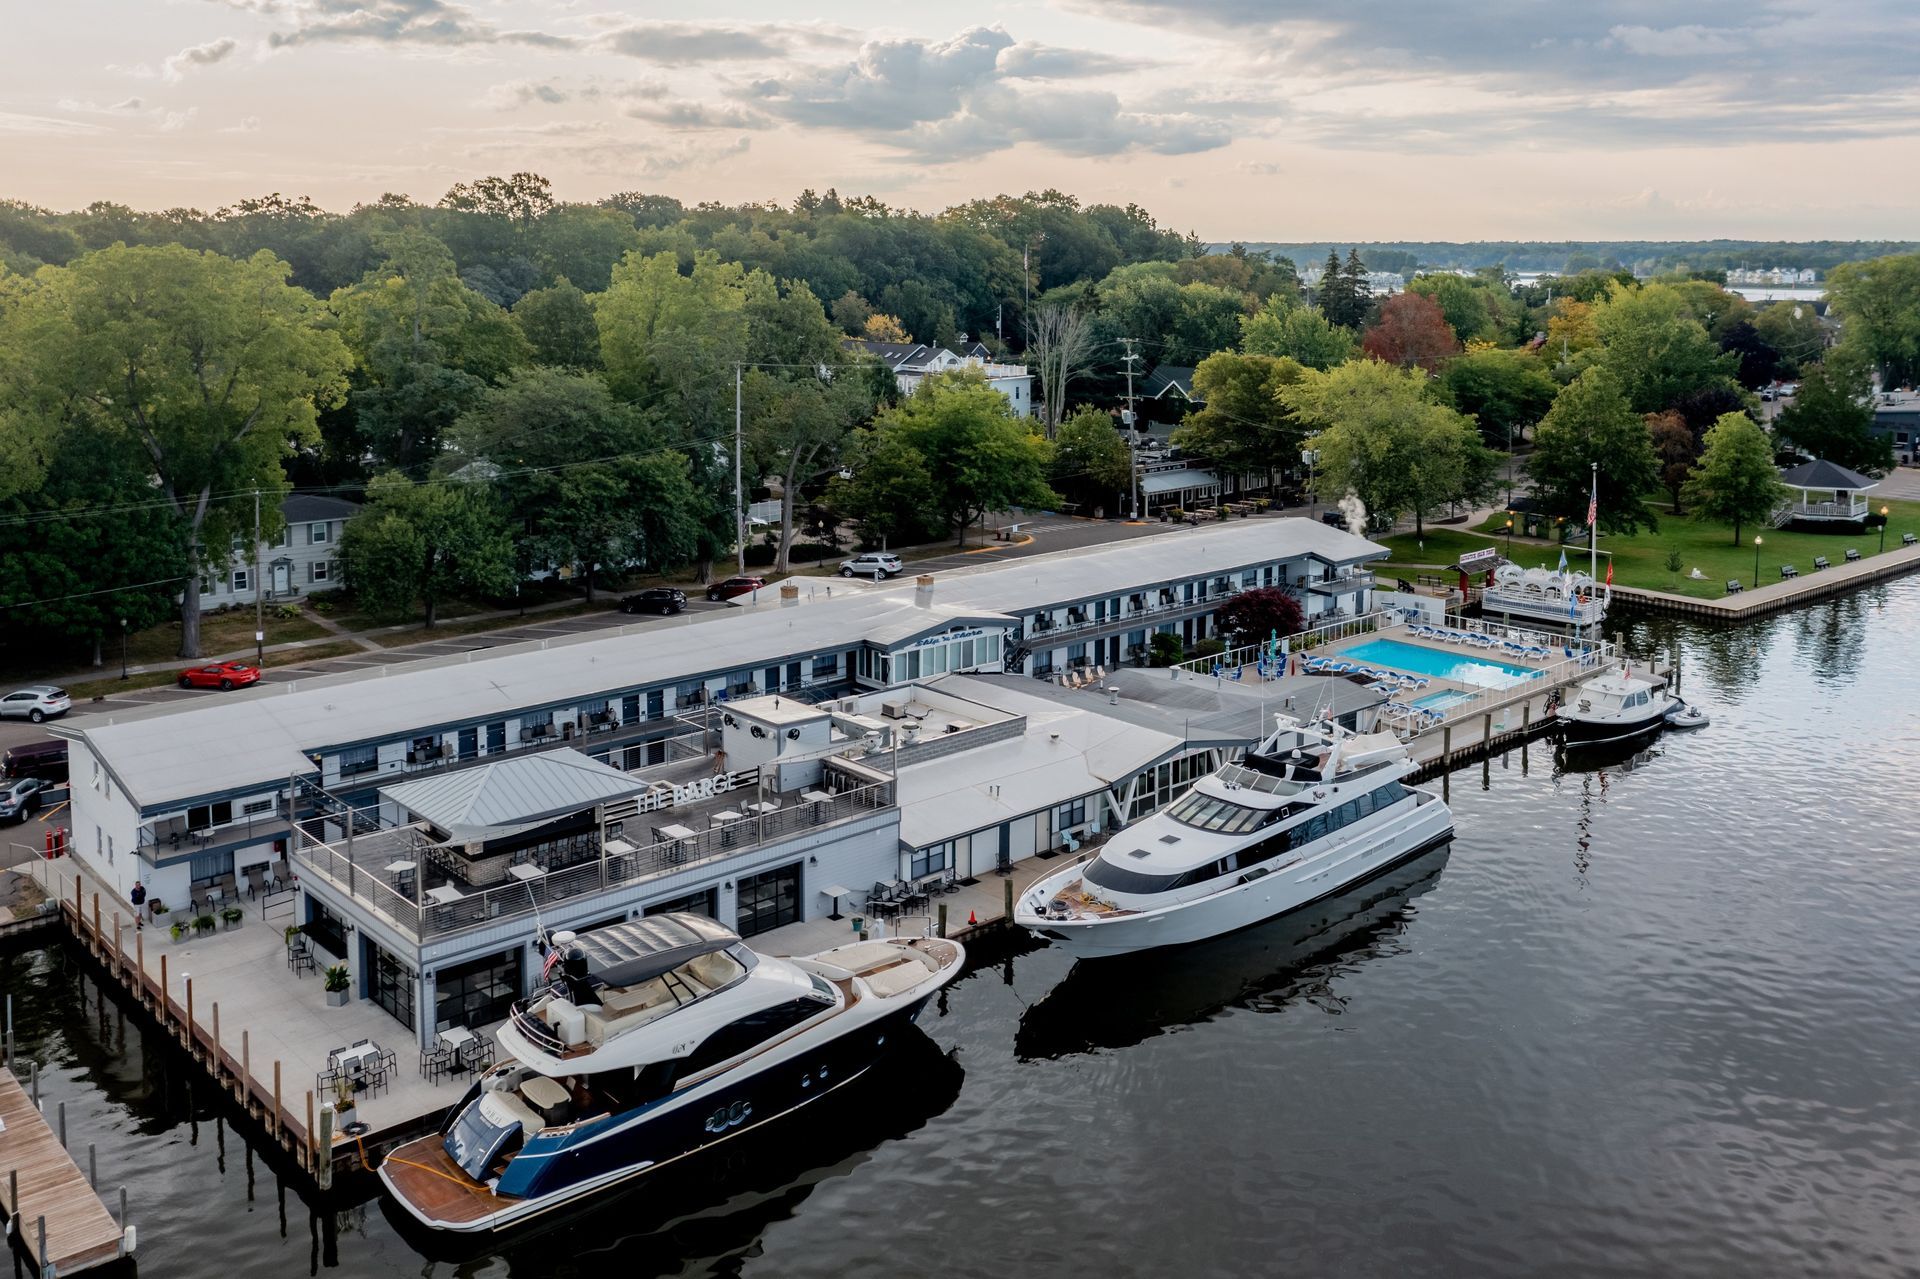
[[657, 1037], [1310, 811]]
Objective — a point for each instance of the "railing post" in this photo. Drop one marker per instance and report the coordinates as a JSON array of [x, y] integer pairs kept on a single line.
[[246, 1069], [165, 988], [276, 1100]]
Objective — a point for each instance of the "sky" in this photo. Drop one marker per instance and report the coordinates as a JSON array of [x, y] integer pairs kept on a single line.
[[1236, 119]]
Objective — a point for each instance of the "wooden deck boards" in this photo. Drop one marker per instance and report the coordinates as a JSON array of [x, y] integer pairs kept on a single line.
[[425, 1175], [80, 1231]]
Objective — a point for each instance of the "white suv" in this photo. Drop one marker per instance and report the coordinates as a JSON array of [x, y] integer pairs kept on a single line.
[[875, 564], [41, 701]]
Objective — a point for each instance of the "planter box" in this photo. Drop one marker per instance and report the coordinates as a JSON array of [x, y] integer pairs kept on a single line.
[[338, 998]]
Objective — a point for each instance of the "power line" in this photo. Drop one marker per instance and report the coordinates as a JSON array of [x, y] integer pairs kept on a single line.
[[107, 590]]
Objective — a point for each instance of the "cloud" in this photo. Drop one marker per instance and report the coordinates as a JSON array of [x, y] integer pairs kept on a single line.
[[246, 124], [680, 43], [520, 93], [1680, 42], [13, 122], [198, 55], [971, 95], [679, 113], [412, 22], [1049, 62]]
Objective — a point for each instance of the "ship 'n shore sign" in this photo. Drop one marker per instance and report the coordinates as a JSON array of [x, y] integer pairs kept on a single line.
[[1474, 561]]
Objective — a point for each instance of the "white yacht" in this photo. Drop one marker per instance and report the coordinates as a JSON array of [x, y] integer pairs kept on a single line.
[[1614, 707], [658, 1037], [1311, 811]]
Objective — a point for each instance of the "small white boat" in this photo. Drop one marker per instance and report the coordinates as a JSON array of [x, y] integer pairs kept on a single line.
[[1615, 707], [1684, 716]]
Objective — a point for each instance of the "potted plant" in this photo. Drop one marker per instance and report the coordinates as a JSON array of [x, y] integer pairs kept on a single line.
[[156, 908], [292, 931], [231, 916], [336, 980], [179, 930], [343, 1108], [203, 923]]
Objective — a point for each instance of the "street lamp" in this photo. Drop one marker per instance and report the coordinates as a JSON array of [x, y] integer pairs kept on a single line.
[[1756, 559], [1509, 534], [1883, 528], [123, 642], [1311, 457]]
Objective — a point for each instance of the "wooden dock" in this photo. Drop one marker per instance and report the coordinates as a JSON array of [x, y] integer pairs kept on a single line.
[[52, 1212]]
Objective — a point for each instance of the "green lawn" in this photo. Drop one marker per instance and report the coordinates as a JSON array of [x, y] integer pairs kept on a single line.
[[1438, 548], [1640, 559], [219, 633]]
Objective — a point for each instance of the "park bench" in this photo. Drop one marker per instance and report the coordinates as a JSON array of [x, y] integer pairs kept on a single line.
[[1908, 539], [1733, 586], [1820, 562], [1853, 556], [1787, 571]]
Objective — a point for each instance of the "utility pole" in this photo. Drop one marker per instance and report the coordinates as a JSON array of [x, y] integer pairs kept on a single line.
[[739, 504], [1133, 432], [259, 592]]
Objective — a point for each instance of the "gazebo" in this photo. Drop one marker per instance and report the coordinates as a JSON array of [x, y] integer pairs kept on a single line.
[[1829, 494]]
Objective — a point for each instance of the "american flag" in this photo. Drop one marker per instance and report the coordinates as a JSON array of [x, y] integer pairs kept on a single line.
[[1593, 509]]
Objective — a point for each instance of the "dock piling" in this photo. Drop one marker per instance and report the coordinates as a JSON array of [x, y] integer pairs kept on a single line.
[[1008, 885], [943, 919], [93, 1166], [63, 1125], [312, 1154], [41, 1251], [323, 1164], [276, 1100]]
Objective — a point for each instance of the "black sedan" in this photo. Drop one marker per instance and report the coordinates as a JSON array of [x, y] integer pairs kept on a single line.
[[658, 599], [21, 799]]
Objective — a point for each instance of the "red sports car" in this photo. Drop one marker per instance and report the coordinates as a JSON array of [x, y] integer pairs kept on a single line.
[[220, 675]]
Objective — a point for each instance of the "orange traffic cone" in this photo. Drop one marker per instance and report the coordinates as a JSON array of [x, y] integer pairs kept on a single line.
[[972, 919]]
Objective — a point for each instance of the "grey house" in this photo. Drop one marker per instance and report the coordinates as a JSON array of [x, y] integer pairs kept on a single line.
[[302, 560]]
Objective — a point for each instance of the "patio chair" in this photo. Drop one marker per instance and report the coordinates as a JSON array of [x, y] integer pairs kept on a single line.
[[281, 875], [436, 1061], [256, 880]]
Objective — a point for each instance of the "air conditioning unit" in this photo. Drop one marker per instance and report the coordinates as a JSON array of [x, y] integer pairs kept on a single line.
[[849, 705], [893, 710]]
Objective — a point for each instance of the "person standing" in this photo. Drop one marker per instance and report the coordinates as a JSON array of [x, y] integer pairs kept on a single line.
[[139, 898]]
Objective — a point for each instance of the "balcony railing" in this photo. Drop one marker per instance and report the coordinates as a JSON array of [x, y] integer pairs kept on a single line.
[[1361, 581], [173, 837], [346, 868], [1127, 620]]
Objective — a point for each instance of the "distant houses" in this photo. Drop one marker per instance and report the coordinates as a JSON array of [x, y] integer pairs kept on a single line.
[[302, 559], [912, 362]]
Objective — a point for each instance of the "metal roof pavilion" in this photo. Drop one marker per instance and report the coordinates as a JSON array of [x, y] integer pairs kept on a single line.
[[512, 793]]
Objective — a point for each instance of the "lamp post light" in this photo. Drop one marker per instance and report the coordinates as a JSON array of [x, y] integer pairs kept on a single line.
[[1312, 459], [1756, 559], [1509, 534], [123, 642], [1883, 527]]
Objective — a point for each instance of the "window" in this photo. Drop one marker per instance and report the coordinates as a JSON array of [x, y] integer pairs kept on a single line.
[[327, 929], [767, 900], [700, 903], [240, 579], [476, 992], [1068, 816], [283, 538], [109, 848], [750, 1032], [424, 748], [359, 759], [1205, 812], [254, 807], [932, 860], [1121, 880], [319, 571], [317, 533], [207, 815], [825, 666]]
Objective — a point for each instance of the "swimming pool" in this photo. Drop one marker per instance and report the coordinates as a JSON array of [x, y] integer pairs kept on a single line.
[[1441, 700], [1439, 663]]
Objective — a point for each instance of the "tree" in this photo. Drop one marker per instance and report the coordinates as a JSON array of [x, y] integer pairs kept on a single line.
[[799, 428], [1655, 349], [559, 326], [1411, 333], [418, 543], [1244, 429], [966, 435], [1794, 333], [1506, 392], [1470, 306], [880, 327], [1380, 438], [1296, 333], [580, 475], [1878, 304], [1675, 444], [1256, 615], [520, 199], [1830, 418], [212, 367], [1062, 347], [1736, 482], [888, 493], [1759, 362], [1592, 422], [1091, 462]]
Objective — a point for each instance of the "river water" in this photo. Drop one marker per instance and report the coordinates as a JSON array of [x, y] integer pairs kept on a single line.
[[1651, 1016]]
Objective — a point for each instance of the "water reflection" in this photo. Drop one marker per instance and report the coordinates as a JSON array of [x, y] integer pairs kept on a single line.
[[708, 1213], [1117, 1002]]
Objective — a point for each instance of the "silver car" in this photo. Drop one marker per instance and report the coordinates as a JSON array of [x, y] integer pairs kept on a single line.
[[37, 702], [878, 565], [20, 798]]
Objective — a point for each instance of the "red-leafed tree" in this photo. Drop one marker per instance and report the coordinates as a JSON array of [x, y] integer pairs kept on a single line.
[[1252, 616], [1411, 331]]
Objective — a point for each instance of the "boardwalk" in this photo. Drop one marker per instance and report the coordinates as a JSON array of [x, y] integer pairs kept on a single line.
[[1757, 601], [81, 1233]]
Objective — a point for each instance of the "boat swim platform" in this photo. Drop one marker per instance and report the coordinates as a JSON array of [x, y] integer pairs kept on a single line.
[[53, 1214]]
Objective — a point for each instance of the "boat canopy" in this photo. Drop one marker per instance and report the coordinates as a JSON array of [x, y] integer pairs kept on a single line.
[[642, 949]]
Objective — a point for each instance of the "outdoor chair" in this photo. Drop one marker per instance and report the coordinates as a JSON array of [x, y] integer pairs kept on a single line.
[[1853, 556], [436, 1061], [1733, 586], [281, 874], [256, 880], [1908, 539]]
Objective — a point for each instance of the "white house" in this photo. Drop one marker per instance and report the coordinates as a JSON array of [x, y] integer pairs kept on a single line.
[[302, 560], [911, 362]]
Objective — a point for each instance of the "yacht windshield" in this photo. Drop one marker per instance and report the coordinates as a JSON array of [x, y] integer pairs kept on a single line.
[[1208, 812]]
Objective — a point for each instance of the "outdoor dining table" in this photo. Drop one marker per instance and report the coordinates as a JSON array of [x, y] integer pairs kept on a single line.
[[763, 808], [462, 1041], [678, 834], [525, 871], [402, 873], [355, 1061], [722, 821]]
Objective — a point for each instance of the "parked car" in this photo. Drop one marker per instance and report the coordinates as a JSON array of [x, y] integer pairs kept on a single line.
[[221, 675], [35, 702], [735, 586], [21, 799], [875, 564], [46, 760], [655, 599]]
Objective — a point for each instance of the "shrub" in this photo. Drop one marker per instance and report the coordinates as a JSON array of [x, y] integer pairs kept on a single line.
[[759, 556], [203, 923], [286, 612], [232, 914], [1209, 647], [1164, 649], [322, 606]]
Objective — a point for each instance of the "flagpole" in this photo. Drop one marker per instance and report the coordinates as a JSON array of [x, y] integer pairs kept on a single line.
[[1593, 533]]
